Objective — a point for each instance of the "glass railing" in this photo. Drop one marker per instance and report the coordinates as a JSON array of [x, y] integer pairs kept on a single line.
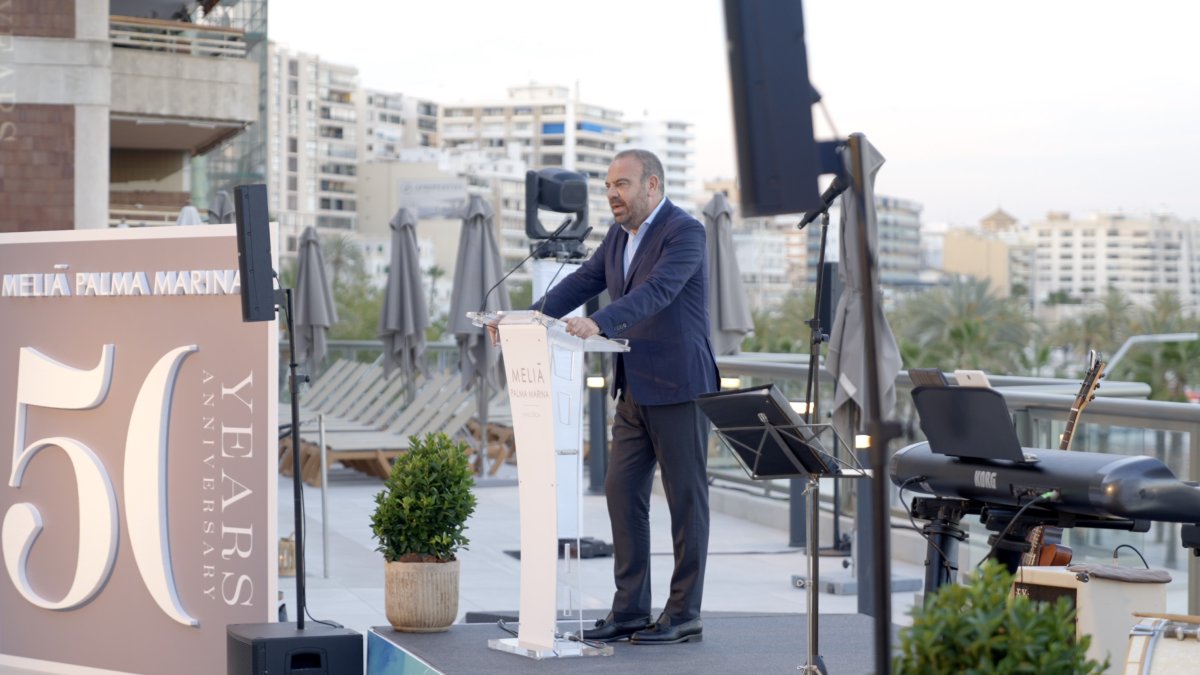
[[1121, 422]]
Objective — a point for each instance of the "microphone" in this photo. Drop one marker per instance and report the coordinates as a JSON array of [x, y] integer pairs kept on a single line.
[[537, 249], [836, 188]]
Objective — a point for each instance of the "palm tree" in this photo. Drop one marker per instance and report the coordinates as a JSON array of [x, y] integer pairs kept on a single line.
[[434, 273], [783, 328], [344, 257], [1114, 322], [963, 325]]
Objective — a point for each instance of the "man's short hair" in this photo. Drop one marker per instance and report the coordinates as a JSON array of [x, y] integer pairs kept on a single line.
[[651, 166]]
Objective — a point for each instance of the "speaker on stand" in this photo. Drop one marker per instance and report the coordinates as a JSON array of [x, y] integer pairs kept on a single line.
[[284, 648]]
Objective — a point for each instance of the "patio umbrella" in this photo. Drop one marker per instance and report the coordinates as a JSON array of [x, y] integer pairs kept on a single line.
[[404, 317], [847, 338], [221, 210], [314, 305], [728, 306], [188, 215], [476, 270]]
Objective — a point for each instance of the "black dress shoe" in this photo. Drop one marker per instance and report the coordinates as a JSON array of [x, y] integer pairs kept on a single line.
[[608, 630], [664, 633]]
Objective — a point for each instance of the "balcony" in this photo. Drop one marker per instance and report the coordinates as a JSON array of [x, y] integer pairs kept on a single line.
[[179, 86]]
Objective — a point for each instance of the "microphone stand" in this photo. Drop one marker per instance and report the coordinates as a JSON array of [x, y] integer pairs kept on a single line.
[[283, 299], [818, 335]]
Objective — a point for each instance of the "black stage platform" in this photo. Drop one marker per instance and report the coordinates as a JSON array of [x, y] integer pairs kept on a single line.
[[733, 643]]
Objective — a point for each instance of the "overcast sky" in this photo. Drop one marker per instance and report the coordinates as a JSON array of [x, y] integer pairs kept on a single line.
[[1030, 105]]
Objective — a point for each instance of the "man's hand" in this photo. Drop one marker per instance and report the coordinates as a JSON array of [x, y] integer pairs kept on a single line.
[[582, 327], [493, 330]]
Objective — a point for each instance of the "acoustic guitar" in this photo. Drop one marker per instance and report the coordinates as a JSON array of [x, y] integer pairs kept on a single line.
[[1044, 543]]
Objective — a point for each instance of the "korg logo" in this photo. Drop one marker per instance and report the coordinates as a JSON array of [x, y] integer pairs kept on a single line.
[[985, 479]]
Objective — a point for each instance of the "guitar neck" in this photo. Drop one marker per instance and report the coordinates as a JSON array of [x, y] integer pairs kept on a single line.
[[1069, 430]]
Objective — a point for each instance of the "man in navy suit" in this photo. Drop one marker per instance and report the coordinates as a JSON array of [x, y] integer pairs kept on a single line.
[[655, 269]]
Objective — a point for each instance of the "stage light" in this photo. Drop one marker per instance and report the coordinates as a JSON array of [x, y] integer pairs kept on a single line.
[[556, 189], [595, 382], [862, 441]]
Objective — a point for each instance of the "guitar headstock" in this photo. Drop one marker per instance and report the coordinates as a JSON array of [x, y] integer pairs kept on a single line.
[[1091, 379]]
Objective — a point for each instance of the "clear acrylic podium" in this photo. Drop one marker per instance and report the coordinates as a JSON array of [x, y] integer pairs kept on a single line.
[[544, 368]]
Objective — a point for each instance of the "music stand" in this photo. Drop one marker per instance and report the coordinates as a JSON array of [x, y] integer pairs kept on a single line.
[[771, 441], [971, 423]]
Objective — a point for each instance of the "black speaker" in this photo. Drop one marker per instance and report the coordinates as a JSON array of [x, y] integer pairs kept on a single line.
[[254, 252], [778, 160], [831, 292], [283, 649]]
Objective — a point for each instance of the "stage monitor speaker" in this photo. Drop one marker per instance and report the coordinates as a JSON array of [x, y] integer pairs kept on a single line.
[[778, 160], [283, 649], [254, 252]]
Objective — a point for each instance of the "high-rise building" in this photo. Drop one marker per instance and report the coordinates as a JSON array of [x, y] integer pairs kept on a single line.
[[313, 149], [543, 126], [673, 141], [1139, 256], [899, 243], [393, 122], [899, 223]]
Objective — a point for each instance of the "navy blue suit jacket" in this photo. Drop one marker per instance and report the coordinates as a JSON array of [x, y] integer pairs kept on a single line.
[[662, 309]]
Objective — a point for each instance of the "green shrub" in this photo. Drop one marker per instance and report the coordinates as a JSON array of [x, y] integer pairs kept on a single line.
[[978, 628], [422, 511]]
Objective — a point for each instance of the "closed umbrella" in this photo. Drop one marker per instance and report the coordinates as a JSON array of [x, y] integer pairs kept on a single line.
[[315, 308], [847, 338], [404, 317], [476, 271], [221, 210], [728, 306], [188, 215]]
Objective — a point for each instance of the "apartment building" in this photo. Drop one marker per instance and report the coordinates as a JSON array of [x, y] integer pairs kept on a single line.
[[393, 122], [1137, 255], [107, 107], [313, 147], [543, 126], [899, 241], [999, 250], [673, 141]]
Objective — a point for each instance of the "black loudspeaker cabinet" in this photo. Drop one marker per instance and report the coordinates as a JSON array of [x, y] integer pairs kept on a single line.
[[283, 649], [831, 292], [778, 160], [254, 252]]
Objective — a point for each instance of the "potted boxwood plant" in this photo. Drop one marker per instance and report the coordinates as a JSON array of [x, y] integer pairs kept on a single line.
[[420, 517], [981, 627]]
